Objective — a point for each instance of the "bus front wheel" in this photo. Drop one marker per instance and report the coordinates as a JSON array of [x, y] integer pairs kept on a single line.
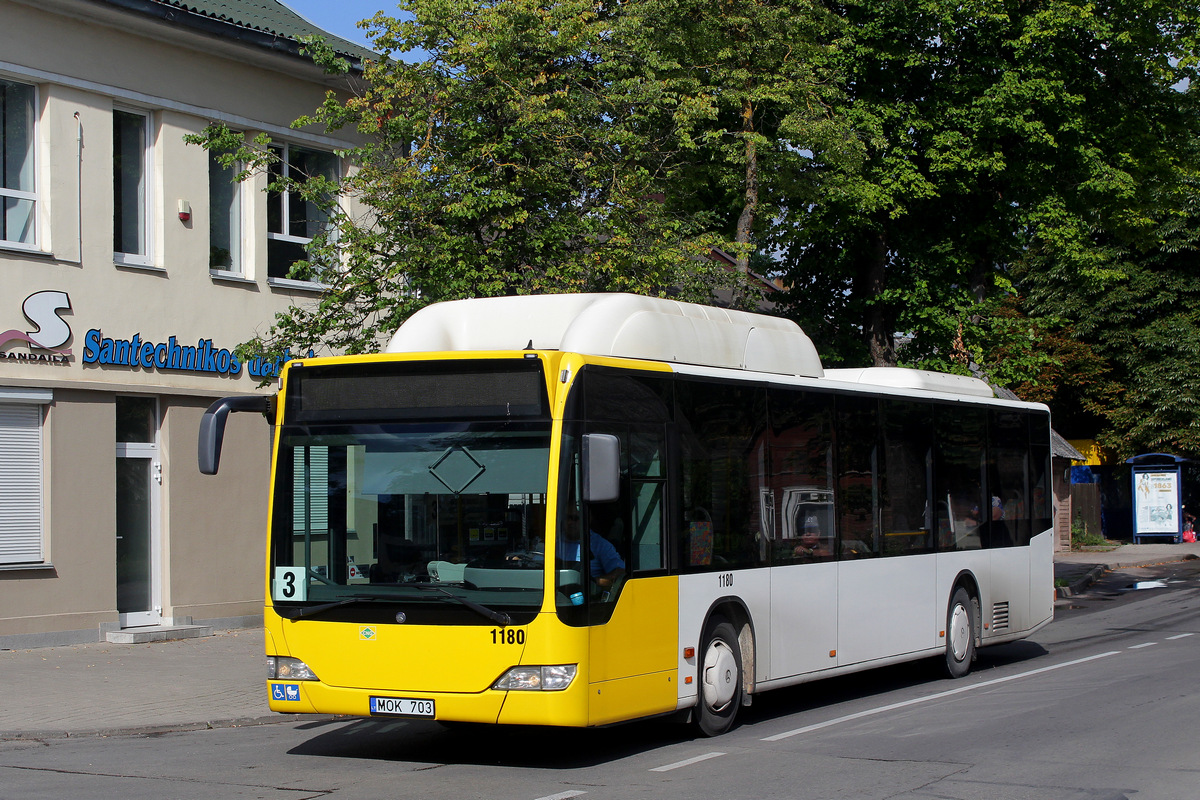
[[960, 634], [720, 678]]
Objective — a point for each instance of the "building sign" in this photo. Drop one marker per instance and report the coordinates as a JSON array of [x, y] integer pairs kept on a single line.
[[205, 357], [45, 343], [134, 352]]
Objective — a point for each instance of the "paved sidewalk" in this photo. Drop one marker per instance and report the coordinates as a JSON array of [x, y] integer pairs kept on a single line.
[[220, 680], [104, 689], [1075, 571]]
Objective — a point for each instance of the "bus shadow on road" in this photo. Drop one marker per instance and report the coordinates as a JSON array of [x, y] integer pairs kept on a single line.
[[924, 674], [432, 743]]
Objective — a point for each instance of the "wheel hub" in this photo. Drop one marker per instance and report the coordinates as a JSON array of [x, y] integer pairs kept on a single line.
[[960, 632], [720, 675]]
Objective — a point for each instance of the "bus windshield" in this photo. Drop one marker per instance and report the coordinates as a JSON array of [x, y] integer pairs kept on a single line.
[[389, 511]]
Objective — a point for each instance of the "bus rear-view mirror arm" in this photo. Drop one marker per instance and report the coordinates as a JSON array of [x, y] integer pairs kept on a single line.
[[212, 427], [601, 468]]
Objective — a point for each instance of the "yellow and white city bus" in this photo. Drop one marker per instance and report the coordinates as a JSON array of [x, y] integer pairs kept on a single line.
[[752, 520]]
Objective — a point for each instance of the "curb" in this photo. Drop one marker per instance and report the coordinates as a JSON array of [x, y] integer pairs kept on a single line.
[[1093, 575], [1079, 584], [1133, 564], [147, 730]]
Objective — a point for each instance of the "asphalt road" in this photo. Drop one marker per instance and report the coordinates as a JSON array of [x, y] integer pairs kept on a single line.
[[1100, 705]]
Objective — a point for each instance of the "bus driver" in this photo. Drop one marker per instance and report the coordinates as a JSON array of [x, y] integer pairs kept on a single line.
[[606, 564]]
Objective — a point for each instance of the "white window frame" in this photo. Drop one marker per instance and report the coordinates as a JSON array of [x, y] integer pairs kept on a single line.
[[19, 194], [284, 150], [22, 477], [237, 269], [146, 258]]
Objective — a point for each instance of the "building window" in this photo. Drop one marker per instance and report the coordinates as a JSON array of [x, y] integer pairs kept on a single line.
[[18, 202], [224, 218], [131, 187], [292, 222], [21, 475]]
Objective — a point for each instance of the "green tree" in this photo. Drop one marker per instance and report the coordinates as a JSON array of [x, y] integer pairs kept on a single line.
[[1006, 141], [752, 85], [507, 161], [1143, 326], [572, 146]]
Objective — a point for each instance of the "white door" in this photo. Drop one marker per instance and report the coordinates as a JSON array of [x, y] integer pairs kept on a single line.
[[139, 479]]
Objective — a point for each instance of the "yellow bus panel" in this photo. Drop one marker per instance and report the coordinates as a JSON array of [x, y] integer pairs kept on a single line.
[[633, 658], [630, 698]]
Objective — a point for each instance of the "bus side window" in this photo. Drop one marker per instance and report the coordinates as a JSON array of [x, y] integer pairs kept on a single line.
[[798, 478], [1014, 473], [959, 462], [635, 523], [636, 409], [723, 445], [905, 478], [1041, 493], [858, 476], [647, 449]]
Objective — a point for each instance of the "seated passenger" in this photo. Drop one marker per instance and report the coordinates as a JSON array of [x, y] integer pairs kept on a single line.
[[812, 543]]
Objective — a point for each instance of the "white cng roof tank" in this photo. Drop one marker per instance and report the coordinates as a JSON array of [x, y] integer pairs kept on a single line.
[[651, 328], [619, 325], [919, 379]]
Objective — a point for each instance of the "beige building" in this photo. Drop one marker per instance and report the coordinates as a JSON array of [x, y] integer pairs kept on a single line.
[[133, 266]]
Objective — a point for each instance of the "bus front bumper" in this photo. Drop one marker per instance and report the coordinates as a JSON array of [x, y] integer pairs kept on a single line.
[[565, 708]]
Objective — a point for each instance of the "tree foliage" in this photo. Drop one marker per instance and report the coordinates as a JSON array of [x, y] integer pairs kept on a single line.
[[1143, 325], [537, 148], [752, 86], [997, 184], [1005, 140]]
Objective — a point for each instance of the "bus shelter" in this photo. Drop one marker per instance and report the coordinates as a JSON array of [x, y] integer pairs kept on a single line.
[[1157, 496]]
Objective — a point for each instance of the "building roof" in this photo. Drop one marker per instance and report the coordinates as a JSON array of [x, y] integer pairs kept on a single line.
[[266, 21]]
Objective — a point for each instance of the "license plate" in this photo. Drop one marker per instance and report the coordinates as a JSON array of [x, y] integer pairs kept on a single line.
[[401, 707]]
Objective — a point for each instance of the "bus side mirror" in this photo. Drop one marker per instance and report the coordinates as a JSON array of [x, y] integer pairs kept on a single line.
[[601, 468], [212, 427]]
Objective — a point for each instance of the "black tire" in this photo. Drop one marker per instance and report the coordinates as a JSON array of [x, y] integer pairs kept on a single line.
[[720, 678], [960, 634]]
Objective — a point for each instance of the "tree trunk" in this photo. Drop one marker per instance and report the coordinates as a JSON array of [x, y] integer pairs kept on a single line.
[[877, 326], [745, 223]]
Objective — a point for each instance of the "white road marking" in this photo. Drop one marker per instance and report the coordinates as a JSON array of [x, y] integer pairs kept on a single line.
[[562, 795], [687, 763], [1140, 646], [892, 707], [1180, 636]]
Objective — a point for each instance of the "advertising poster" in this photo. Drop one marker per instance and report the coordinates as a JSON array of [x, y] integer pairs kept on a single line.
[[1156, 502]]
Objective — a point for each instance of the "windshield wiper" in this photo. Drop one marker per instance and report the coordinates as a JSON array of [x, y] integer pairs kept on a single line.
[[309, 611], [498, 617]]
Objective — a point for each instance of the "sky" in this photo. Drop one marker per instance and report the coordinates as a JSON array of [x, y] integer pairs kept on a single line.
[[339, 16]]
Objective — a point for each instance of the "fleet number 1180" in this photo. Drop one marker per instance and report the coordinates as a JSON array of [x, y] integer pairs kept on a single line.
[[508, 636]]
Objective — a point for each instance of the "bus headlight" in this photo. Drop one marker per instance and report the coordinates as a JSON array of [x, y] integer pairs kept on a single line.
[[547, 679], [285, 668]]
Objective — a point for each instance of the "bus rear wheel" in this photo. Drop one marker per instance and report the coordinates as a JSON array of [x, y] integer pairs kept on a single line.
[[960, 634], [720, 678]]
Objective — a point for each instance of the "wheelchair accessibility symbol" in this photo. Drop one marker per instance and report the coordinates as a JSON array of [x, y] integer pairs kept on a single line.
[[287, 692]]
